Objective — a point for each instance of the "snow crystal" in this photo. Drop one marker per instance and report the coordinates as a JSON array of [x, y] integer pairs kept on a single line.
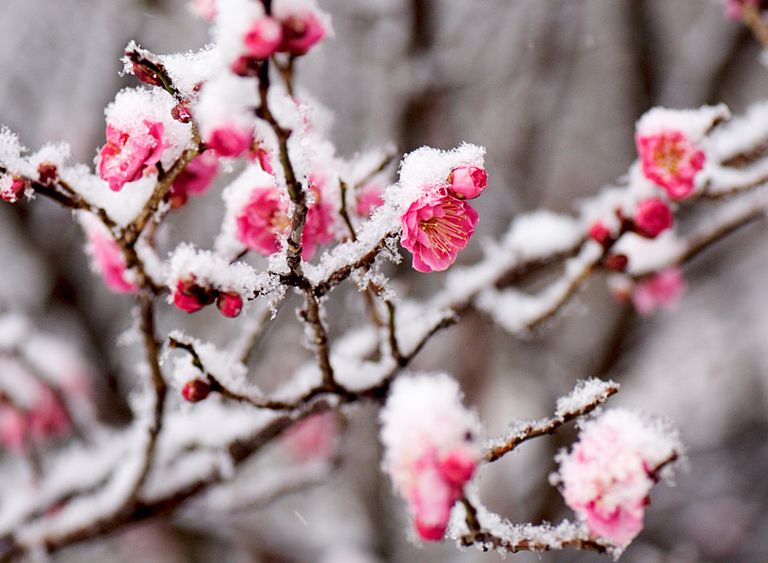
[[741, 134], [189, 70], [587, 392]]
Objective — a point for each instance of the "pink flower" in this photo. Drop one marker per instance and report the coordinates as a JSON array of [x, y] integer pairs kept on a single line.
[[432, 498], [300, 33], [662, 290], [435, 228], [196, 178], [368, 199], [11, 189], [14, 429], [467, 182], [652, 217], [609, 472], [191, 297], [127, 156], [230, 304], [313, 438], [263, 157], [599, 233], [671, 160], [319, 226], [229, 140], [108, 259], [263, 37], [261, 221], [47, 417]]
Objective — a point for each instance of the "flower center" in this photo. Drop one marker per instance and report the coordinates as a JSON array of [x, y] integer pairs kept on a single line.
[[668, 154], [445, 231]]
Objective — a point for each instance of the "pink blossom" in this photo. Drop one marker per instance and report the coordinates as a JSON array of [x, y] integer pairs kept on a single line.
[[191, 297], [128, 155], [432, 498], [671, 160], [598, 232], [230, 304], [196, 178], [300, 33], [313, 438], [261, 221], [48, 417], [435, 228], [229, 140], [263, 37], [11, 189], [609, 472], [368, 199], [467, 182], [659, 291], [319, 226], [652, 217], [108, 259], [260, 154], [14, 429], [206, 9]]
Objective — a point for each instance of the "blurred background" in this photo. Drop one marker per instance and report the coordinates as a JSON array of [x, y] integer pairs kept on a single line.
[[553, 89]]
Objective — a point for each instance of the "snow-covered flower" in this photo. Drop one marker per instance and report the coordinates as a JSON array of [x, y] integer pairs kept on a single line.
[[263, 38], [196, 178], [659, 291], [107, 258], [672, 160], [652, 217], [190, 297], [368, 198], [225, 114], [303, 25], [431, 447], [609, 472], [128, 154], [11, 188], [436, 227]]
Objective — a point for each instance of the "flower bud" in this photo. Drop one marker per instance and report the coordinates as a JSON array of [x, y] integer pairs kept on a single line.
[[300, 33], [652, 217], [616, 262], [180, 112], [599, 233], [11, 189], [263, 37], [191, 297], [230, 304], [196, 390], [467, 182], [47, 172]]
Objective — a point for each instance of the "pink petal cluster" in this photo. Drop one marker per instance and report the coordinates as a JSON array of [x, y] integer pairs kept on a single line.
[[11, 188], [659, 291], [302, 28], [600, 233], [229, 140], [431, 451], [368, 199], [467, 182], [127, 156], [652, 217], [313, 438], [191, 296], [265, 217], [609, 472], [107, 259], [436, 227], [195, 179], [671, 160]]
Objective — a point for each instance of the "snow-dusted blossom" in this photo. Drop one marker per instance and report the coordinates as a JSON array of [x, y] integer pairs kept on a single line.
[[659, 291], [467, 182], [652, 217], [368, 198], [600, 233], [263, 37], [11, 188], [303, 25], [609, 472], [436, 227], [190, 297], [672, 160], [225, 114], [313, 438], [431, 447], [128, 155], [195, 179], [107, 258]]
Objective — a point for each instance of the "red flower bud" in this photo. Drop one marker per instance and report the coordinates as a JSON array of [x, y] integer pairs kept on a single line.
[[616, 262], [180, 112], [598, 232], [230, 304], [196, 390], [652, 217], [47, 172]]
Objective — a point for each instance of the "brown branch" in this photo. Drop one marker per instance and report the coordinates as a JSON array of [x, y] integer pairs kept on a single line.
[[753, 19]]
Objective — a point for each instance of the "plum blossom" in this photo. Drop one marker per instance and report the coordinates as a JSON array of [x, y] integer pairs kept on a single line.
[[195, 179], [600, 233], [368, 198], [467, 182], [107, 258], [229, 303], [435, 228], [190, 297], [659, 291], [225, 114], [652, 217], [431, 447], [11, 188], [263, 38], [128, 155], [313, 438], [609, 472], [303, 25], [670, 159]]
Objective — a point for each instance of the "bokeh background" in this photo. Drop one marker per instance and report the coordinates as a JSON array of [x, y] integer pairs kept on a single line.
[[553, 89]]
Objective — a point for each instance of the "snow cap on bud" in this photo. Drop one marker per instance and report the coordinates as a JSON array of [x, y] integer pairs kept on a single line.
[[467, 182], [652, 217], [431, 447], [230, 303], [195, 390]]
